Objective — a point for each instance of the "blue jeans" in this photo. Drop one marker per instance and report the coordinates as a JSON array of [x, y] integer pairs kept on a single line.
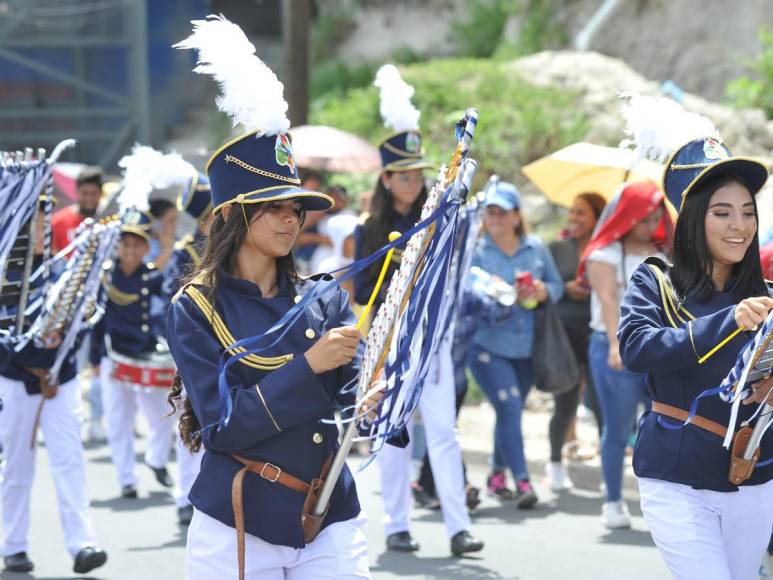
[[506, 383], [619, 394]]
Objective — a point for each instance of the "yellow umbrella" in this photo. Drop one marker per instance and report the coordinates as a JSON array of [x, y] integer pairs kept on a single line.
[[584, 167]]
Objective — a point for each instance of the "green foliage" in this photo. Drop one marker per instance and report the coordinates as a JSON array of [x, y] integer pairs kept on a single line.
[[519, 122], [539, 30], [479, 34], [328, 31], [756, 90], [335, 78]]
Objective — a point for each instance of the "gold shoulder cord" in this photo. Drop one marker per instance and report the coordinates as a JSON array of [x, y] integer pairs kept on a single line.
[[227, 339]]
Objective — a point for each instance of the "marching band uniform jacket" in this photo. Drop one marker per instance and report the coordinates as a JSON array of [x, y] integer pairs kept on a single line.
[[665, 341], [127, 321], [13, 364], [365, 281], [279, 404]]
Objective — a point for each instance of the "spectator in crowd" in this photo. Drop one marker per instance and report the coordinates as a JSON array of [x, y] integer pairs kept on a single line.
[[310, 238], [500, 358], [336, 225], [574, 309], [88, 193], [635, 225]]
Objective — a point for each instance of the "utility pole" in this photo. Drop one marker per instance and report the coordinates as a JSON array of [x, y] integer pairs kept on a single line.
[[296, 22]]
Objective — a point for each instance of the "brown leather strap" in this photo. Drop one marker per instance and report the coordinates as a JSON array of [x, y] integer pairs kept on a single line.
[[697, 420], [48, 390], [270, 472], [36, 424]]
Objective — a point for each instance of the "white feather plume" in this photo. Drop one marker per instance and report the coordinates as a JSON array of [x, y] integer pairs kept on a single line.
[[174, 170], [137, 184], [146, 169], [398, 112], [250, 92], [658, 126]]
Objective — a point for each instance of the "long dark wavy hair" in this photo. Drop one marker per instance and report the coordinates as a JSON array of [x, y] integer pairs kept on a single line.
[[693, 265], [225, 238], [380, 222]]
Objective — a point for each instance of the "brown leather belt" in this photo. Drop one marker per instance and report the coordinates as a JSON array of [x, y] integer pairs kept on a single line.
[[697, 420], [274, 474]]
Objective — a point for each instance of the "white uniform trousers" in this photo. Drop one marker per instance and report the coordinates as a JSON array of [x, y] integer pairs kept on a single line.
[[188, 465], [438, 414], [708, 535], [60, 422], [339, 552], [120, 405]]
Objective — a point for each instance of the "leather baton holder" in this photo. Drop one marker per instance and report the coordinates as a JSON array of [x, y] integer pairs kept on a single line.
[[741, 469]]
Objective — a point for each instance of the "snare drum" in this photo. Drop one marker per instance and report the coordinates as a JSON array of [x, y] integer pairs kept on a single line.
[[156, 370]]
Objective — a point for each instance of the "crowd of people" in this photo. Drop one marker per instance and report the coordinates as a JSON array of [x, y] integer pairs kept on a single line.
[[658, 290]]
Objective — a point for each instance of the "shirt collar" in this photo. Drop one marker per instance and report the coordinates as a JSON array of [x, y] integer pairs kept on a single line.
[[242, 286]]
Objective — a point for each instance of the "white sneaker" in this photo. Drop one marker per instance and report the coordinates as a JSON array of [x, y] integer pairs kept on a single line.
[[614, 515], [558, 479]]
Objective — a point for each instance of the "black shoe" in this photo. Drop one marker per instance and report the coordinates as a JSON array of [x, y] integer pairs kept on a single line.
[[422, 498], [402, 542], [464, 542], [88, 559], [18, 563], [525, 496], [129, 492], [185, 515], [473, 497], [162, 476]]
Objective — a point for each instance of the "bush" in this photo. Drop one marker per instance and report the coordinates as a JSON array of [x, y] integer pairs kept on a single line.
[[756, 90], [519, 122]]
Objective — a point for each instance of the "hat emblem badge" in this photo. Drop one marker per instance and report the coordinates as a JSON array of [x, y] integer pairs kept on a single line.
[[713, 149], [413, 142], [284, 152]]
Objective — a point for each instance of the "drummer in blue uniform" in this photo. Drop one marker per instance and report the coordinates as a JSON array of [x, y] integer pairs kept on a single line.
[[196, 200], [682, 325], [31, 400], [128, 331], [280, 430]]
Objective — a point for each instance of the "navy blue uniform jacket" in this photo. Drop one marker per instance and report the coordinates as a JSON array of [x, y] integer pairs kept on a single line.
[[666, 342], [12, 363], [277, 414], [128, 322]]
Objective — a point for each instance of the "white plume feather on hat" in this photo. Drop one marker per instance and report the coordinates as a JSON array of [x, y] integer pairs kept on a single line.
[[137, 183], [398, 112], [657, 126], [250, 92]]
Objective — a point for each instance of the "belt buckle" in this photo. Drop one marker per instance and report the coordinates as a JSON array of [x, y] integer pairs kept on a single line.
[[276, 477]]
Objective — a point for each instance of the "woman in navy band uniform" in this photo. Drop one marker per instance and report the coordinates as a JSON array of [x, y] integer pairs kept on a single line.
[[283, 399], [678, 325], [396, 204]]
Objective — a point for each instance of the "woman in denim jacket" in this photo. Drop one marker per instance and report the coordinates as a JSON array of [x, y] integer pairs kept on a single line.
[[500, 358]]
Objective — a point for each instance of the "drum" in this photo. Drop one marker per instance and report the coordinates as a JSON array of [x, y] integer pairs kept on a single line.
[[157, 370]]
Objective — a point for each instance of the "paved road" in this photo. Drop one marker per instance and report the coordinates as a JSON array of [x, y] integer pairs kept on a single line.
[[560, 539]]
